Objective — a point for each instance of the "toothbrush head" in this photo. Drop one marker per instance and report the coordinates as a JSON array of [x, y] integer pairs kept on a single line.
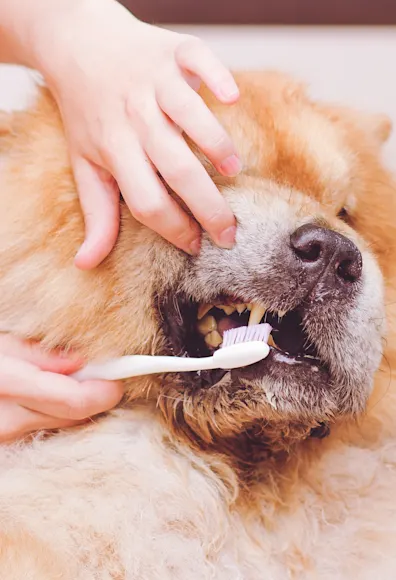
[[256, 332]]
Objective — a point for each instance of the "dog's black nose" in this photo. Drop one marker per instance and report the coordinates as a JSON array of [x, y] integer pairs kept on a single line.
[[323, 251]]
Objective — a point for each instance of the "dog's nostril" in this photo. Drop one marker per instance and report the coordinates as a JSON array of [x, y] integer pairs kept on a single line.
[[318, 248], [349, 270], [308, 243], [309, 252]]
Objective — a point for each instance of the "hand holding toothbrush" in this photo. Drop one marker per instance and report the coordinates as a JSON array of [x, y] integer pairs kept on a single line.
[[37, 393]]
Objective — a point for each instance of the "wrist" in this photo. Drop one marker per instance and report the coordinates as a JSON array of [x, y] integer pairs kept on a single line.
[[30, 29], [21, 25], [45, 29], [48, 33]]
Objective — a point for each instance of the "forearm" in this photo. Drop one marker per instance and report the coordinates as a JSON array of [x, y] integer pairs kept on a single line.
[[23, 23]]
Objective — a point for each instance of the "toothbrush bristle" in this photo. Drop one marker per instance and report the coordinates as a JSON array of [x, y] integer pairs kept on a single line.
[[252, 333]]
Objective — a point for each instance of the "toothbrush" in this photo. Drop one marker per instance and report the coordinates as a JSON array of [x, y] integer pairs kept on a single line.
[[241, 347]]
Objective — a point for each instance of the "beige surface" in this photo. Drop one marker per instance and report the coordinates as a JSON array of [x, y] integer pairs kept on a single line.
[[356, 66]]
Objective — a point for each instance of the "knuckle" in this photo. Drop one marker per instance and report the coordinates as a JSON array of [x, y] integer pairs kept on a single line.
[[184, 238], [138, 107], [221, 142], [10, 432], [77, 409], [190, 49], [181, 105], [149, 210], [215, 218], [179, 171], [6, 432], [191, 43], [109, 146]]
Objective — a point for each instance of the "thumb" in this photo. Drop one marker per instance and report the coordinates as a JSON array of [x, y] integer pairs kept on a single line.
[[99, 198]]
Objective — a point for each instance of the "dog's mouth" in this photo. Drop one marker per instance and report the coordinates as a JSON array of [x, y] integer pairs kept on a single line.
[[287, 330], [197, 330]]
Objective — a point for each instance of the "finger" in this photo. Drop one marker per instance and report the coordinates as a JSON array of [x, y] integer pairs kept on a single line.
[[16, 422], [53, 394], [192, 80], [31, 352], [72, 402], [185, 174], [99, 198], [189, 112], [195, 57], [150, 203]]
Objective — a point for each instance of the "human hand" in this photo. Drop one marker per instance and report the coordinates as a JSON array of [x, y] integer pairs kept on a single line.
[[124, 89], [36, 394]]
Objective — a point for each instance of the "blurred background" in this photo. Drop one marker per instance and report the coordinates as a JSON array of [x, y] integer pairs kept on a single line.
[[344, 49], [265, 12]]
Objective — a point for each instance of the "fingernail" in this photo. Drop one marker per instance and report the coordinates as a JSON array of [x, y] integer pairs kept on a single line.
[[227, 238], [228, 91], [231, 166], [195, 246]]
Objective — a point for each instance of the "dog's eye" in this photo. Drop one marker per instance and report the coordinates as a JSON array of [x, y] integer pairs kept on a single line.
[[344, 216]]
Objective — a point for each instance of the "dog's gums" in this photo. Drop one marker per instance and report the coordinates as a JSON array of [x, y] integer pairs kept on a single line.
[[220, 474]]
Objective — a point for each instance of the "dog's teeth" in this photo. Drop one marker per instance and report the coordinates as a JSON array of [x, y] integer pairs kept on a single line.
[[281, 313], [203, 309], [256, 314], [271, 341], [240, 308], [207, 324], [249, 306], [213, 339], [227, 309]]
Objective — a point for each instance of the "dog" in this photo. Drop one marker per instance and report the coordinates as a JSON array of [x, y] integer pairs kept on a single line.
[[283, 469]]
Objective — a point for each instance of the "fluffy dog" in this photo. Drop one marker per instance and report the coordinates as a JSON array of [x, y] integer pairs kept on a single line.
[[218, 474]]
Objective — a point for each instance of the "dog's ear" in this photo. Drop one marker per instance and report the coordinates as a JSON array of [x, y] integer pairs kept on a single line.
[[377, 128], [380, 126]]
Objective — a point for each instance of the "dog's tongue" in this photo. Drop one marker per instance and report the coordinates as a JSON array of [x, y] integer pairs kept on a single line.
[[227, 323]]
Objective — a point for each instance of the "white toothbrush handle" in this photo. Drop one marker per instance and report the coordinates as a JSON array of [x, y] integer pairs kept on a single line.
[[229, 357], [138, 365]]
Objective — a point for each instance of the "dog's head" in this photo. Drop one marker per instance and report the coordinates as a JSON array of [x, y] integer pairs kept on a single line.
[[315, 237]]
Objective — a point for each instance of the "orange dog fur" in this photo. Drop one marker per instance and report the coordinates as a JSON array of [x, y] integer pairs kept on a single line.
[[177, 483]]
